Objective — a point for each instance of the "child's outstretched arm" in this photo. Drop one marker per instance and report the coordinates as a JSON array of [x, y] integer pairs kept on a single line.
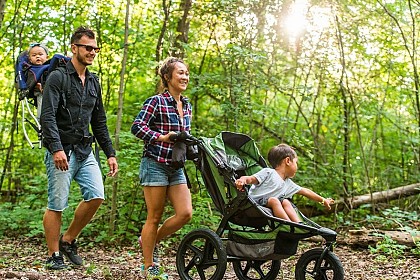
[[316, 197], [245, 180]]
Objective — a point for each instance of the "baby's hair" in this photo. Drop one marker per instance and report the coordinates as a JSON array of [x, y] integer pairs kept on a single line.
[[278, 153], [31, 46], [80, 32], [166, 68]]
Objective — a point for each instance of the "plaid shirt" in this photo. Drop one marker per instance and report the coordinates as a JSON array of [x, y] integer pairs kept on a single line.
[[158, 116]]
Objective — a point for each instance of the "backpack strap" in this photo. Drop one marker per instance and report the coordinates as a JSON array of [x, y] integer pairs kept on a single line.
[[96, 83], [65, 85]]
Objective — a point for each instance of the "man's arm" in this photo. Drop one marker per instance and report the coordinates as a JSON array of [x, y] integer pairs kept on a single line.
[[100, 130], [99, 123]]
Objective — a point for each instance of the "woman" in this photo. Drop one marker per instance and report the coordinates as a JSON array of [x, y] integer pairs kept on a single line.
[[162, 115]]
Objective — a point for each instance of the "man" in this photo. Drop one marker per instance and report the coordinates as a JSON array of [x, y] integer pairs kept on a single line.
[[72, 101]]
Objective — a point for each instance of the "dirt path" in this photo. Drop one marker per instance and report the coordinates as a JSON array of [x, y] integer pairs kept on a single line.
[[23, 259]]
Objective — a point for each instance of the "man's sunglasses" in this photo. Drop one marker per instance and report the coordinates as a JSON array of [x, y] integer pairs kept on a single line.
[[89, 48]]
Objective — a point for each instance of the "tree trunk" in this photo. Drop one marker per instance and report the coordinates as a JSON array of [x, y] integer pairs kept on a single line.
[[10, 149], [159, 44], [182, 29], [2, 7], [346, 117], [119, 118]]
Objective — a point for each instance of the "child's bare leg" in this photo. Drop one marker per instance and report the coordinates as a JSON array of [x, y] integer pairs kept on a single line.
[[290, 211], [274, 204]]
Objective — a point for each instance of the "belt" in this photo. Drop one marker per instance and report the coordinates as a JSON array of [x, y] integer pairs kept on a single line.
[[86, 140]]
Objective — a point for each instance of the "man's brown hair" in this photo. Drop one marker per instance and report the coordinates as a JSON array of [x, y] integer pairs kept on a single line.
[[80, 32]]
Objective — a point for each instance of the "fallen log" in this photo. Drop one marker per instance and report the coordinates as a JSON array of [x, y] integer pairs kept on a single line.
[[365, 238], [357, 201]]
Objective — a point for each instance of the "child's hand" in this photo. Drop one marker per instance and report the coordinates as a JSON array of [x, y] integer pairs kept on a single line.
[[240, 184], [327, 202], [39, 87]]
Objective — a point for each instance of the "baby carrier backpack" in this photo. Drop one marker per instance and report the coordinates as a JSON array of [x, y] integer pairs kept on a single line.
[[27, 77]]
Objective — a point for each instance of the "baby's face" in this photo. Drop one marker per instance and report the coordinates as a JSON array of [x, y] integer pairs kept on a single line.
[[37, 55]]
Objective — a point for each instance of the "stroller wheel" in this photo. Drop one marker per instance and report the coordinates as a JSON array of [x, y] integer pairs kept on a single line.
[[201, 255], [330, 267], [256, 269]]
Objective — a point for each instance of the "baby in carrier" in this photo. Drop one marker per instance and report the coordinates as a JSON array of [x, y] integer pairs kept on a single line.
[[31, 73], [32, 68], [37, 55]]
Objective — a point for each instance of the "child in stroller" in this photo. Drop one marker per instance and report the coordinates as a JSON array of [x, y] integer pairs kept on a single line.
[[249, 235], [273, 187]]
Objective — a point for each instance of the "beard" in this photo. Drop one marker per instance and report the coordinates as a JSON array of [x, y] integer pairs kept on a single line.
[[82, 60]]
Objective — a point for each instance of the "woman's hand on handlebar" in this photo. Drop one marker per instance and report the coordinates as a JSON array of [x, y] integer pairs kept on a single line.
[[166, 137]]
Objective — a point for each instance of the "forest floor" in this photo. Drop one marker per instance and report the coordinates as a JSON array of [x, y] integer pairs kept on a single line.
[[24, 259]]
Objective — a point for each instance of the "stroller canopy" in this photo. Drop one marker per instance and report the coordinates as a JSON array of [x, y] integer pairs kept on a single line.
[[227, 156], [237, 151]]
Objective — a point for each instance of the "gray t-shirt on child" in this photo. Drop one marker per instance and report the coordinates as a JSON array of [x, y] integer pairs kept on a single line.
[[270, 184]]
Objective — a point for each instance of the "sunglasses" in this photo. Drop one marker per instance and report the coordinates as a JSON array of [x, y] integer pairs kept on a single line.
[[89, 48]]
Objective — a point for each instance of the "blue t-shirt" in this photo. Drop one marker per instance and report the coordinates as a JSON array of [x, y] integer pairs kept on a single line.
[[270, 184]]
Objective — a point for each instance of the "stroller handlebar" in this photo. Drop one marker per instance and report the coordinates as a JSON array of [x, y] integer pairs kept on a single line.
[[185, 137]]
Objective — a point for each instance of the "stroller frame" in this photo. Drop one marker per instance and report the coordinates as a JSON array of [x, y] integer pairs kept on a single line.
[[203, 253]]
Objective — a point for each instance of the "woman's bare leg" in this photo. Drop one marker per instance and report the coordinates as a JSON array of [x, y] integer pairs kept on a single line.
[[155, 201], [180, 198]]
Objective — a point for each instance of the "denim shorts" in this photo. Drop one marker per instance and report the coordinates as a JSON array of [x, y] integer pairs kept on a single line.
[[154, 174], [86, 173]]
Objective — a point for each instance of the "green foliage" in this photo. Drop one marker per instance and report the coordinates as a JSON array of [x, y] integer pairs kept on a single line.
[[16, 221], [395, 218], [342, 92], [90, 269], [388, 247], [392, 218]]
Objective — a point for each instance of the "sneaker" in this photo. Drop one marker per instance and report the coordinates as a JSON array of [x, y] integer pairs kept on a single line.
[[55, 262], [70, 251], [155, 272], [155, 252]]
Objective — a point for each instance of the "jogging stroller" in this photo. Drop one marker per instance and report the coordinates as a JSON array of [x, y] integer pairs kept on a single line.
[[248, 236]]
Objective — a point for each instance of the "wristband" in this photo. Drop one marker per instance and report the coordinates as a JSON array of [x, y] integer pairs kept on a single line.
[[322, 202]]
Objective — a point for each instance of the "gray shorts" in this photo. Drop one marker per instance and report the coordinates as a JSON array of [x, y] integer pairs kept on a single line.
[[263, 200]]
